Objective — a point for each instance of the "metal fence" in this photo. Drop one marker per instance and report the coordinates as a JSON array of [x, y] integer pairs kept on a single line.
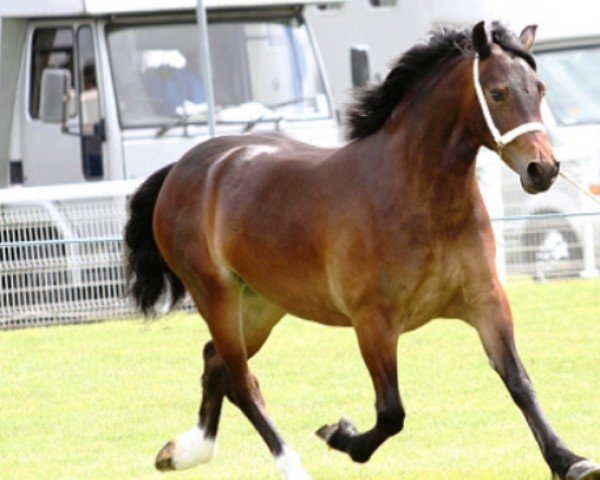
[[550, 246], [62, 261], [62, 264], [550, 235]]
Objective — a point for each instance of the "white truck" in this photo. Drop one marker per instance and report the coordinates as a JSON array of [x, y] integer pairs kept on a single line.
[[97, 94], [568, 56]]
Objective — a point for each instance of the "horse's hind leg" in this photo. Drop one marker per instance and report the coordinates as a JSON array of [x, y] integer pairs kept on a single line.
[[197, 445], [236, 339]]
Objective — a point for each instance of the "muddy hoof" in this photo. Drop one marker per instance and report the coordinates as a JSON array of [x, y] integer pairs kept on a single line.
[[338, 434], [186, 451], [164, 459], [584, 470]]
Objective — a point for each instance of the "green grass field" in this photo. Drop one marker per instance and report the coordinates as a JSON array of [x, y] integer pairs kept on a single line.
[[98, 401]]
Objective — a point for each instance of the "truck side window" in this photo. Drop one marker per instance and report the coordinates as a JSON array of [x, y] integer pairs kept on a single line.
[[52, 48], [89, 106], [383, 3], [88, 84]]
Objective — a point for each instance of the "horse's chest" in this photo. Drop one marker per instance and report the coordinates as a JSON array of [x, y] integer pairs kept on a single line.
[[423, 285], [427, 302]]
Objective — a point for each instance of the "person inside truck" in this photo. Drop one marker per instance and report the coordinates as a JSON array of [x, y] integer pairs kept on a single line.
[[90, 114], [167, 80]]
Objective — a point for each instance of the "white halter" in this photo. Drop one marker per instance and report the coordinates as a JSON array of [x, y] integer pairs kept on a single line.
[[501, 140]]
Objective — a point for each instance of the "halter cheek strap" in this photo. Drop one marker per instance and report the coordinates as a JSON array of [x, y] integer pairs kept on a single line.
[[500, 139]]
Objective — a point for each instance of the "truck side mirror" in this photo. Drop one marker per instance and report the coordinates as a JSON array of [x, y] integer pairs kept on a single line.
[[359, 62], [57, 102]]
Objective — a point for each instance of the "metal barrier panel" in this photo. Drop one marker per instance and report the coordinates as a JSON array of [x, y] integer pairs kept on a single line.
[[62, 263], [552, 246]]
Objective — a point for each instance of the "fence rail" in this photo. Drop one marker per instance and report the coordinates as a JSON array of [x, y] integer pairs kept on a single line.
[[62, 262]]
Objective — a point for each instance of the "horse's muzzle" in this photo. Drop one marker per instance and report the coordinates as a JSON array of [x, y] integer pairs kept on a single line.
[[540, 176]]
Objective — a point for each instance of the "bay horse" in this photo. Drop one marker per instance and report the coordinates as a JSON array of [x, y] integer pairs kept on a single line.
[[382, 235]]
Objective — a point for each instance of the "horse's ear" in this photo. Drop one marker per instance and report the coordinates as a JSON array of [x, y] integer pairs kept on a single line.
[[528, 37], [481, 40]]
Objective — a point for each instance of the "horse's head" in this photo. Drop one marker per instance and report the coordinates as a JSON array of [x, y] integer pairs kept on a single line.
[[509, 94]]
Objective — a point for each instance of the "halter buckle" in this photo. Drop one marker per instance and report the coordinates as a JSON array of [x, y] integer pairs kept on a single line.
[[500, 147]]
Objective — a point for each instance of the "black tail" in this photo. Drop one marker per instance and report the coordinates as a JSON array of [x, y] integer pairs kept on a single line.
[[147, 273]]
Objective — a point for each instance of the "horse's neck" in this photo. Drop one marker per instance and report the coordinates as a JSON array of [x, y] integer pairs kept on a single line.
[[426, 165], [424, 154], [428, 140]]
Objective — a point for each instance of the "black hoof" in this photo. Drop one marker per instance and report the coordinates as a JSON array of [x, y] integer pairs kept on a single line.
[[344, 437], [338, 435]]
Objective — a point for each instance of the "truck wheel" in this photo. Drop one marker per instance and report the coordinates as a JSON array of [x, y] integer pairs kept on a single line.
[[551, 250]]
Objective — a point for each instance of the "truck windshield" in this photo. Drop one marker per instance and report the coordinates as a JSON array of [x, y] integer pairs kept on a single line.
[[262, 70], [573, 87]]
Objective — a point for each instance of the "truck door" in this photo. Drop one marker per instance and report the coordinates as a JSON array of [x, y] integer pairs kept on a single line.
[[53, 154], [91, 126]]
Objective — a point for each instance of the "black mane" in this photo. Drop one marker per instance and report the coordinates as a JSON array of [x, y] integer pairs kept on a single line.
[[374, 105]]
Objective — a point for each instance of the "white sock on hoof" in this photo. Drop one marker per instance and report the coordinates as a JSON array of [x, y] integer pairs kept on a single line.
[[289, 465], [582, 470], [192, 448]]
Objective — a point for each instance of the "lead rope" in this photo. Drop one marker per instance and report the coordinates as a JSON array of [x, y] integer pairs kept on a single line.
[[578, 186], [503, 140]]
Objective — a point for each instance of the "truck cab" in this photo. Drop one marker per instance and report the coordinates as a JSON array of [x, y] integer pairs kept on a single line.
[[96, 93]]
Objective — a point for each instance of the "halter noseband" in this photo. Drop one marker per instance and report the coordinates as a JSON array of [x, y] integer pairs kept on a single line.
[[500, 139]]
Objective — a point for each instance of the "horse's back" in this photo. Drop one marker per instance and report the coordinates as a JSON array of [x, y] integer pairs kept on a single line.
[[246, 165], [249, 205], [272, 146]]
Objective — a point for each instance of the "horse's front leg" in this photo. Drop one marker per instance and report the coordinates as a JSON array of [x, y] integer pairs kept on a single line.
[[493, 321], [378, 344]]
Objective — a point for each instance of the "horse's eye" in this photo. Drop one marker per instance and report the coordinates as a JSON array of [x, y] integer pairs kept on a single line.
[[497, 94]]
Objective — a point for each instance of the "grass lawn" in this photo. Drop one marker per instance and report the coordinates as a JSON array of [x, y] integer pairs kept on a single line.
[[98, 401]]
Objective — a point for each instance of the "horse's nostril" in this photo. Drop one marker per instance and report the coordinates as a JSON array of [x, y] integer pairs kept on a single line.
[[534, 170]]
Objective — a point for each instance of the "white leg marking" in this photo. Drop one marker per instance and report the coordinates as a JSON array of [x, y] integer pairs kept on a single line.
[[582, 470], [192, 448], [289, 465]]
